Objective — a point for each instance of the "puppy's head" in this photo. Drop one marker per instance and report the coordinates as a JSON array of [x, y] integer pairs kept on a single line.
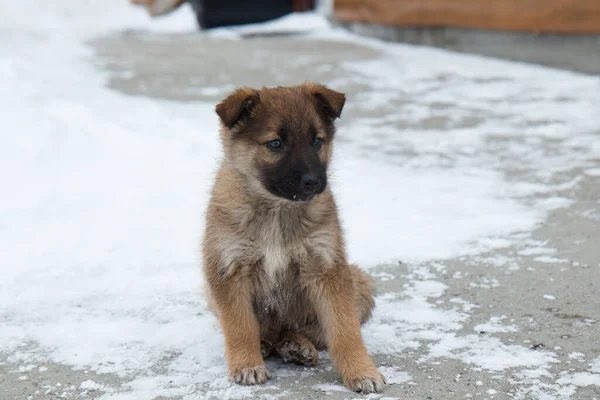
[[280, 138]]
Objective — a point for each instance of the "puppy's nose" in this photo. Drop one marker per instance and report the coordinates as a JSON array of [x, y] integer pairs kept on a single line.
[[309, 182]]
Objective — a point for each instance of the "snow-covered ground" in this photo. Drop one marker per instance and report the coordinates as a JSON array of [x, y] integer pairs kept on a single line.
[[448, 169]]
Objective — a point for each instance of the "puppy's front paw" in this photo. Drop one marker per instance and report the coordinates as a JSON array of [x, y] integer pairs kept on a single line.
[[250, 376], [370, 382]]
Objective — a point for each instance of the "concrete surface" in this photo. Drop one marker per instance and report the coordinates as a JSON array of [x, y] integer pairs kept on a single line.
[[579, 53], [190, 68]]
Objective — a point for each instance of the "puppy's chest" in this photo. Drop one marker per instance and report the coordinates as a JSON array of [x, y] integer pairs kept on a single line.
[[271, 245], [276, 249]]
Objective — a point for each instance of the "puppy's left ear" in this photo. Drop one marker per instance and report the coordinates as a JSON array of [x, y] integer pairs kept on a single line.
[[330, 101], [237, 106]]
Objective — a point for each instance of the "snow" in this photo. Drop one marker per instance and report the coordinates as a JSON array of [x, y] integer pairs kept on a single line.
[[327, 388], [580, 379], [596, 366], [104, 194], [488, 353], [495, 326], [531, 251], [550, 260], [91, 385], [395, 376], [592, 172], [577, 356]]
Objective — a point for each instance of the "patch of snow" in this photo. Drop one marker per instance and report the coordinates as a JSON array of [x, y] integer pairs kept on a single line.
[[576, 356], [485, 283], [384, 276], [488, 353], [592, 171], [465, 305], [495, 326], [26, 368], [550, 260], [533, 251], [580, 379], [596, 366], [549, 297], [408, 219], [394, 375], [222, 91], [328, 387], [91, 385]]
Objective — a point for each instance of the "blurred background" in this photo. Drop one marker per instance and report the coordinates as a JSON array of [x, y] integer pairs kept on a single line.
[[558, 33]]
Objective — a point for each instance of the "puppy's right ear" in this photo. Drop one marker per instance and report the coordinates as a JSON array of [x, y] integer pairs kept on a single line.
[[237, 105]]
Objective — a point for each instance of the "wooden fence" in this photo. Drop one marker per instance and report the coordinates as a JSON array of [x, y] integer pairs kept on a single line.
[[560, 16]]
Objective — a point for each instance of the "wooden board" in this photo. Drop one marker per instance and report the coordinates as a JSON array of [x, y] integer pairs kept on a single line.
[[564, 16]]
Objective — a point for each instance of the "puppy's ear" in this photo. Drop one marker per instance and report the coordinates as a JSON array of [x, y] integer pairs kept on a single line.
[[330, 101], [237, 105]]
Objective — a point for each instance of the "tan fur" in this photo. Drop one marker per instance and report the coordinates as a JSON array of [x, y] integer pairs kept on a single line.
[[276, 269], [156, 8]]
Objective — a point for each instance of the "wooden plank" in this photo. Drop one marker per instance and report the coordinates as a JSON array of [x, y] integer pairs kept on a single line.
[[564, 16]]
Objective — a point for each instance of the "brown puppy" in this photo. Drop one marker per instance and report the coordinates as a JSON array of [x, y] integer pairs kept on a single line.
[[274, 255]]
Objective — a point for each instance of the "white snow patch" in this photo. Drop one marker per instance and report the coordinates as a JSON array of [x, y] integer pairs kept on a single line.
[[592, 171], [488, 353], [212, 90], [576, 356], [90, 385], [530, 374], [394, 375], [495, 326], [553, 203], [580, 379], [411, 214], [485, 283], [533, 251], [26, 368], [328, 387], [596, 365], [465, 305], [550, 260], [549, 297], [384, 276]]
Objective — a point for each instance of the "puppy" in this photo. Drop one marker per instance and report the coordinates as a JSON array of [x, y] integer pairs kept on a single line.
[[273, 250]]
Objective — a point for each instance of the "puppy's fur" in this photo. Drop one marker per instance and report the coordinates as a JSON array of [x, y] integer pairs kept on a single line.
[[274, 256]]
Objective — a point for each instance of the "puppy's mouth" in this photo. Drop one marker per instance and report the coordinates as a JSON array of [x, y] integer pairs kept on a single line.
[[296, 196], [303, 197]]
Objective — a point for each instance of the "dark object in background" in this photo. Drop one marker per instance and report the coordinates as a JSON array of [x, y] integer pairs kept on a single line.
[[217, 13]]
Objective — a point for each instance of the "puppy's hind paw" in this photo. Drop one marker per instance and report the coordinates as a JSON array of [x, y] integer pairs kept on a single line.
[[302, 352], [250, 376]]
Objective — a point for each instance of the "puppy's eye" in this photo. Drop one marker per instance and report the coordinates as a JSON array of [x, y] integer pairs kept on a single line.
[[274, 144], [317, 143]]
